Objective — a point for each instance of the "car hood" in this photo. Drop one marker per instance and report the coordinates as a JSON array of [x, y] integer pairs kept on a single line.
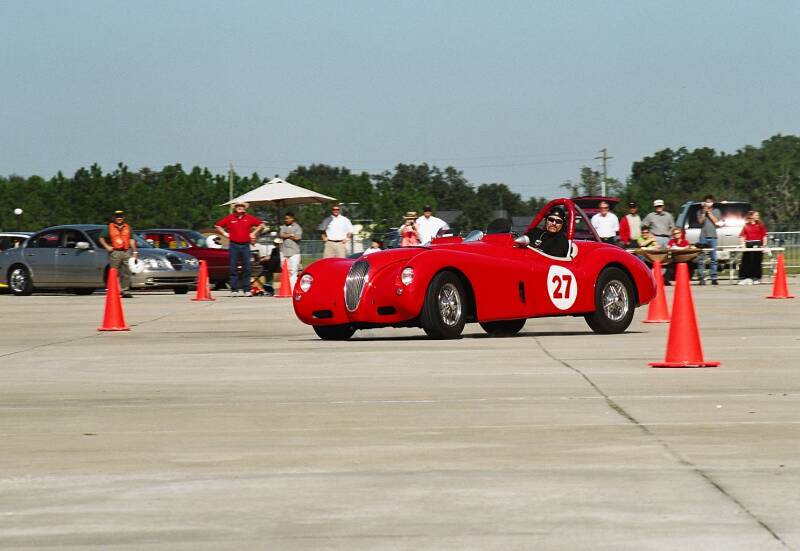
[[390, 256], [160, 253]]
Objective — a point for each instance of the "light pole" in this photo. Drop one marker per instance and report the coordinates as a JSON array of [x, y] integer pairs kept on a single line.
[[18, 213]]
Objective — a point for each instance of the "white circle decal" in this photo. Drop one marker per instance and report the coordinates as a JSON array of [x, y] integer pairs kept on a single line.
[[562, 287]]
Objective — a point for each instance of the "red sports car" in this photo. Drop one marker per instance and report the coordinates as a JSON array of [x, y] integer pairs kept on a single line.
[[496, 279]]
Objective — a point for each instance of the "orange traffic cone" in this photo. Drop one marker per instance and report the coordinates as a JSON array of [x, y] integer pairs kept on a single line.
[[114, 318], [779, 288], [203, 292], [658, 312], [285, 289], [683, 344]]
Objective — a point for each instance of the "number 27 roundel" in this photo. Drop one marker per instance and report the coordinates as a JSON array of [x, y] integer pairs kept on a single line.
[[562, 287]]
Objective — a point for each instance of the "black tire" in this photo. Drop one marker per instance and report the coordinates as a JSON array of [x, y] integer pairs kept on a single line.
[[20, 282], [334, 332], [504, 327], [615, 290], [180, 290], [444, 311], [82, 291]]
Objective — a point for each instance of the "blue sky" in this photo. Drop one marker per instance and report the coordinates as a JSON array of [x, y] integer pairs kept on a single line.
[[521, 92]]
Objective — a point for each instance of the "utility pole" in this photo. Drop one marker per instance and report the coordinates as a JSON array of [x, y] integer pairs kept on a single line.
[[230, 186], [605, 159]]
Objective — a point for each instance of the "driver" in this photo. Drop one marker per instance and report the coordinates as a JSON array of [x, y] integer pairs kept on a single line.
[[552, 239]]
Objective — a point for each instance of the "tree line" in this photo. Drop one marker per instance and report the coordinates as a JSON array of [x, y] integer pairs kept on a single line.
[[768, 176]]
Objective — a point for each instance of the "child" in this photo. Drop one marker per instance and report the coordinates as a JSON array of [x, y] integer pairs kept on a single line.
[[377, 245], [677, 242]]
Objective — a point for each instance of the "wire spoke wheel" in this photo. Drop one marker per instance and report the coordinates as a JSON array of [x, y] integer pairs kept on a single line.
[[444, 311], [615, 300], [449, 305]]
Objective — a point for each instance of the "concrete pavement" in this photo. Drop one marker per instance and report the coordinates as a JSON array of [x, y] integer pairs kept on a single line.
[[229, 425]]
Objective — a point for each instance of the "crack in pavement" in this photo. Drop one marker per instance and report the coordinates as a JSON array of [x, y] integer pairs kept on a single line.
[[665, 445]]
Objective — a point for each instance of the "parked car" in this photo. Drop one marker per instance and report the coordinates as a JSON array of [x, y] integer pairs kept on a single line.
[[70, 257], [590, 204], [194, 243], [493, 279], [12, 239], [730, 226]]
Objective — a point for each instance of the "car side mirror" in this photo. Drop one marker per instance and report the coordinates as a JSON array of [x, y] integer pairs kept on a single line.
[[522, 241], [82, 245]]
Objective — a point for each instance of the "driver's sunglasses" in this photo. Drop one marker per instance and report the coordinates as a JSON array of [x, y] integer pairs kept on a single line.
[[554, 220]]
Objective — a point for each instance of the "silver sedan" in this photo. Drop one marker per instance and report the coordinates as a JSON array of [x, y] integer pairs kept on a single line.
[[70, 257]]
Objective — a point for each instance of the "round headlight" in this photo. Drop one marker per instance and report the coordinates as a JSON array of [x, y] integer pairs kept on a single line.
[[305, 282], [407, 275]]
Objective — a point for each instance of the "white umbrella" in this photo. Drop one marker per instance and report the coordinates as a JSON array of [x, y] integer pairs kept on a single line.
[[280, 193]]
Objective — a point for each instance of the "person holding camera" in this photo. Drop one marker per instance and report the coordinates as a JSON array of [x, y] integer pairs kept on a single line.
[[709, 217]]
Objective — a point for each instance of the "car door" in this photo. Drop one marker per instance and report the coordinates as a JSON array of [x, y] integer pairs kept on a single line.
[[77, 266], [40, 256]]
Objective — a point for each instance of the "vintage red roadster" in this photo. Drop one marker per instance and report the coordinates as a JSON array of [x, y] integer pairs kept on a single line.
[[495, 279]]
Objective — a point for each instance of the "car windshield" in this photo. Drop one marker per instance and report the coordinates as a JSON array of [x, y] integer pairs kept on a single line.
[[95, 235], [195, 237], [733, 214]]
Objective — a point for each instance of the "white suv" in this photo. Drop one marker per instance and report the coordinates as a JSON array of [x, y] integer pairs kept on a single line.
[[733, 218]]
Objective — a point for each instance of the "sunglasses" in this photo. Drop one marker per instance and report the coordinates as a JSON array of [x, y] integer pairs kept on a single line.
[[554, 220]]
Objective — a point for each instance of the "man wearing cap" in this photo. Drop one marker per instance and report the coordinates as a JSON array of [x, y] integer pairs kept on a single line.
[[238, 228], [552, 239], [660, 223], [630, 227], [606, 223], [117, 239], [428, 225], [291, 233], [337, 230]]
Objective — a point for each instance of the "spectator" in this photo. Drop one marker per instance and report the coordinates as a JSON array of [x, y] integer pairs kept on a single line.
[[240, 228], [660, 223], [552, 239], [678, 241], [270, 265], [753, 234], [377, 245], [630, 227], [646, 240], [291, 233], [336, 233], [428, 225], [117, 239], [409, 232], [606, 224], [709, 218]]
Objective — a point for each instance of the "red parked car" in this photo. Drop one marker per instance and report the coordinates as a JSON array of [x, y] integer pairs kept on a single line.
[[193, 243], [494, 279]]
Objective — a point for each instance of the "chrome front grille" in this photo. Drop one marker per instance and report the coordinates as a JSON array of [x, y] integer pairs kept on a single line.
[[354, 285]]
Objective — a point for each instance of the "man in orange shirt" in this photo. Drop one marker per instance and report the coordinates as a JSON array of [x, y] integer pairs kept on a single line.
[[118, 240]]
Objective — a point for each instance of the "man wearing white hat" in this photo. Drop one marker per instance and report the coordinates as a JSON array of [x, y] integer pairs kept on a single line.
[[660, 223]]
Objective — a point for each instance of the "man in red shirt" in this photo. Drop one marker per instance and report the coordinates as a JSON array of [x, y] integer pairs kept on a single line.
[[238, 228]]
